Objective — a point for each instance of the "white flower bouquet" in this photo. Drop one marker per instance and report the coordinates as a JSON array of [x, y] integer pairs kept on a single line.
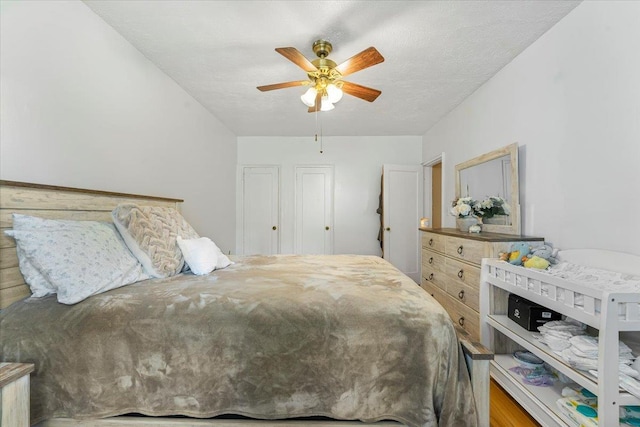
[[463, 207], [492, 206]]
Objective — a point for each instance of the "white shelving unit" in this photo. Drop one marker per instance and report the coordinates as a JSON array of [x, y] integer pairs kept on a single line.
[[608, 312]]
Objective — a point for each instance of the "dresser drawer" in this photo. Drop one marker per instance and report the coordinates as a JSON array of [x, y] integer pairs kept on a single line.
[[469, 250], [433, 261], [434, 291], [462, 272], [463, 316], [435, 277], [464, 293], [433, 241]]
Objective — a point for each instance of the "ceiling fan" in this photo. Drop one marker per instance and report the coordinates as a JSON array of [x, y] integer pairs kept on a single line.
[[325, 78]]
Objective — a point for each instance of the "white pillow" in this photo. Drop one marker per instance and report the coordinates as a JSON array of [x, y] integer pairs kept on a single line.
[[79, 260], [202, 255], [223, 260]]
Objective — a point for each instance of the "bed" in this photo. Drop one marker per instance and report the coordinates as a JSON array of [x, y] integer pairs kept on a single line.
[[286, 337]]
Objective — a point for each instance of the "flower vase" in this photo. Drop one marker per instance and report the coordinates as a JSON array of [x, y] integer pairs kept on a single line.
[[465, 222]]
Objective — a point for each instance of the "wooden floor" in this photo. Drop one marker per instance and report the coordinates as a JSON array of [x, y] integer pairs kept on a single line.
[[505, 412]]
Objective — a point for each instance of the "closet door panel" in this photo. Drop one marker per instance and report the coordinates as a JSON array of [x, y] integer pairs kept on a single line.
[[260, 210], [314, 210]]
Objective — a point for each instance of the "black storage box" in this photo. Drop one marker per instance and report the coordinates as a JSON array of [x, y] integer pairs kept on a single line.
[[528, 314]]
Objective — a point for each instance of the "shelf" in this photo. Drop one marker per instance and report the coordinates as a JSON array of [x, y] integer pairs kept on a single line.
[[540, 402], [619, 312], [526, 339]]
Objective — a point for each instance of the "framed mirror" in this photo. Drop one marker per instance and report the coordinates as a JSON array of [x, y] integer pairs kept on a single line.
[[492, 178]]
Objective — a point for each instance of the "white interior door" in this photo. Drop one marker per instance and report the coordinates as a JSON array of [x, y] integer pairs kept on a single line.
[[260, 210], [314, 210], [402, 206]]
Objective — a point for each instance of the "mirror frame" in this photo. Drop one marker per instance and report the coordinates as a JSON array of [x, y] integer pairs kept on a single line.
[[512, 151]]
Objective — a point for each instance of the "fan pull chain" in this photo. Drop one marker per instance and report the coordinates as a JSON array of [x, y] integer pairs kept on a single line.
[[316, 136], [321, 150]]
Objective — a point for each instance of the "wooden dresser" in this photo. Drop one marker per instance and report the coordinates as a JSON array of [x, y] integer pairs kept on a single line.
[[451, 269]]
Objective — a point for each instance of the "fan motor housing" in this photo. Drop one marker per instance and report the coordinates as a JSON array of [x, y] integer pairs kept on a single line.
[[322, 48]]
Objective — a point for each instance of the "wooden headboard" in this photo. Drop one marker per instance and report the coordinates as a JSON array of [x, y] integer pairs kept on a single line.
[[47, 201]]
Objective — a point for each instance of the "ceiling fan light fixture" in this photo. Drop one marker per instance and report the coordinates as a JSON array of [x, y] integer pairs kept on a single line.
[[326, 105], [334, 93], [309, 97], [325, 83]]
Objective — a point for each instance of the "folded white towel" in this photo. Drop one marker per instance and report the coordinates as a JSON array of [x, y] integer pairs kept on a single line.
[[556, 342], [587, 346], [569, 326], [626, 382], [587, 364]]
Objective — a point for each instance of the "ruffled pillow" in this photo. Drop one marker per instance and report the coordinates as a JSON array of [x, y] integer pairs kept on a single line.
[[150, 232]]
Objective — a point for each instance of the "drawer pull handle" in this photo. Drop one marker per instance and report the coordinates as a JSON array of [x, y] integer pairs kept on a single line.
[[431, 276], [431, 260], [461, 294], [461, 273], [430, 242], [460, 250], [461, 321]]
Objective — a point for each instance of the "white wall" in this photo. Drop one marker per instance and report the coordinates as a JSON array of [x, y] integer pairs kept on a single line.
[[572, 102], [358, 167], [81, 107]]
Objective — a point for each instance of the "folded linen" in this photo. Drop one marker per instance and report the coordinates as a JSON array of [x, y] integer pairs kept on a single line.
[[587, 364], [556, 333], [586, 346], [569, 325], [626, 382]]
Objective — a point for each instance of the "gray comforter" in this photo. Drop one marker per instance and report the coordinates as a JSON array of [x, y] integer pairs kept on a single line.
[[348, 337]]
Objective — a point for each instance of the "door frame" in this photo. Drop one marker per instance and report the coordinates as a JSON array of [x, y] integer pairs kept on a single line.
[[427, 208], [240, 204]]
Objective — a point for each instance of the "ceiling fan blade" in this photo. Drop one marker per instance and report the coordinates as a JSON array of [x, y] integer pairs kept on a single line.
[[362, 92], [360, 61], [282, 85], [317, 105], [294, 55]]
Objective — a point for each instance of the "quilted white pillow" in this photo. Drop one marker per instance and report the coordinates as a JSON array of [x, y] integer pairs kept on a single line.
[[150, 232], [79, 260], [202, 255]]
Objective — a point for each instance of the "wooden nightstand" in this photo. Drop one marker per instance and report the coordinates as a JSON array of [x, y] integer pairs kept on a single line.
[[14, 394]]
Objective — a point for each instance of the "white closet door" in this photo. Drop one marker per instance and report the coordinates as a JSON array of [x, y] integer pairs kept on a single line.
[[314, 210], [260, 210], [401, 204]]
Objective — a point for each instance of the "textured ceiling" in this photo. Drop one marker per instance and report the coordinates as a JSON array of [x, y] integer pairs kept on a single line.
[[436, 54]]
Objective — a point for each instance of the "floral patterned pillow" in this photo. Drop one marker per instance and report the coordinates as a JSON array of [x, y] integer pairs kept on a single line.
[[38, 284], [78, 260]]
